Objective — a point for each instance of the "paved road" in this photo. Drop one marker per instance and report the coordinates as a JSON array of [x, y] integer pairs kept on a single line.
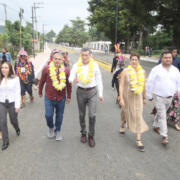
[[34, 157]]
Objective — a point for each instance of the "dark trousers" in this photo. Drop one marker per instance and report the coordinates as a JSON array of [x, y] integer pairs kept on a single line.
[[58, 106], [87, 98], [26, 87], [7, 108]]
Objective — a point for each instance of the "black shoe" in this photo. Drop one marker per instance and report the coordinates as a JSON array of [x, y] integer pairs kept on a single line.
[[91, 141], [18, 132], [5, 146]]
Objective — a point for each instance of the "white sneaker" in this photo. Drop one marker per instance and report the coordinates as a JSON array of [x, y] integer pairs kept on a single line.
[[59, 136], [51, 133]]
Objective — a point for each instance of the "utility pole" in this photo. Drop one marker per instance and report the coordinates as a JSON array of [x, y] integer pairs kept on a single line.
[[33, 37], [20, 17], [116, 26], [43, 37], [36, 6], [5, 10]]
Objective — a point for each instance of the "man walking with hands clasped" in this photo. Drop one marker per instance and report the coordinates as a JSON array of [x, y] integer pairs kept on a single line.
[[86, 74]]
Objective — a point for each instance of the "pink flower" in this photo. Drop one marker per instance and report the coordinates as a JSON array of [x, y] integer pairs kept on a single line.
[[171, 113]]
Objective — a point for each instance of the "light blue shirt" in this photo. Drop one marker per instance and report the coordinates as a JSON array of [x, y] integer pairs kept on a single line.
[[8, 57]]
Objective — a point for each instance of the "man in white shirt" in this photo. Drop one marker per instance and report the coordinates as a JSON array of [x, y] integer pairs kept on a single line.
[[87, 76], [163, 82]]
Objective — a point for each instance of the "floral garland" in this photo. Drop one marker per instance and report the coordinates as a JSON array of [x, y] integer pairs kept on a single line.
[[137, 79], [88, 79], [28, 70], [58, 85]]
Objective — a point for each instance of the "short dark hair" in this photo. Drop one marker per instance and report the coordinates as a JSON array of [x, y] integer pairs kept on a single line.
[[57, 53], [173, 48], [65, 52], [86, 50], [165, 53], [135, 54]]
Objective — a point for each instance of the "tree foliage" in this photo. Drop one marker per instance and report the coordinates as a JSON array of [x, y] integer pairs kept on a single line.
[[11, 37], [137, 19], [75, 34], [50, 35]]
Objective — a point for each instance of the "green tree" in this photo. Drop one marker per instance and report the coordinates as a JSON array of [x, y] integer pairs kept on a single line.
[[50, 35], [11, 37], [168, 13], [95, 35], [75, 35], [65, 35], [137, 19], [4, 39]]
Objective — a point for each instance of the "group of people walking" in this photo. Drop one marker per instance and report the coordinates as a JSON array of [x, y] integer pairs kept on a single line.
[[58, 79], [162, 86]]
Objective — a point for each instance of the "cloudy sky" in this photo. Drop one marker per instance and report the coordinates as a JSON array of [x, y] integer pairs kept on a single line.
[[54, 14]]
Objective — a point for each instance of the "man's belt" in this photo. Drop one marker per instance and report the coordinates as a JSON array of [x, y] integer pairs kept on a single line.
[[165, 97], [86, 89]]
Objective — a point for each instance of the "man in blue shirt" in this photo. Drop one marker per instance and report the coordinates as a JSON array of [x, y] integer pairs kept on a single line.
[[176, 59], [5, 56]]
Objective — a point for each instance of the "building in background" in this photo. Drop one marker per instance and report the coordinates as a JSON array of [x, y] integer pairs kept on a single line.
[[99, 45]]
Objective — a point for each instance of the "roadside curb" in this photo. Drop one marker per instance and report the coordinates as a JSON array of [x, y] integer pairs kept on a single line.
[[103, 64]]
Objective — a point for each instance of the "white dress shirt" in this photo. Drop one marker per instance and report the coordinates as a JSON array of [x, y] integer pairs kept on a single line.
[[163, 82], [11, 91], [96, 81]]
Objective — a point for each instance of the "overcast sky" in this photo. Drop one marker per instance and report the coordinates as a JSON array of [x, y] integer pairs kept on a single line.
[[54, 14]]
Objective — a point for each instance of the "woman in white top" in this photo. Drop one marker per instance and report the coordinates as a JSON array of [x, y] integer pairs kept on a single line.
[[10, 98]]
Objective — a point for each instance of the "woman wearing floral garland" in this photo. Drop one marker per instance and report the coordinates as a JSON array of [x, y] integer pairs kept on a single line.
[[25, 70], [55, 75], [132, 97]]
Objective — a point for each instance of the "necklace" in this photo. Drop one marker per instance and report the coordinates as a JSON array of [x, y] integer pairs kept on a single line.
[[90, 75], [57, 84], [137, 79]]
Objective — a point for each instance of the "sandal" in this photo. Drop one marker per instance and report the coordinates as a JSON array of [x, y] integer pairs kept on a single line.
[[164, 141], [140, 147], [122, 130], [176, 126], [22, 105]]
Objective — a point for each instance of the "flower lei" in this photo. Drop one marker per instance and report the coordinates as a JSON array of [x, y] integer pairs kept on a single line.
[[137, 79], [28, 70], [58, 85], [88, 79]]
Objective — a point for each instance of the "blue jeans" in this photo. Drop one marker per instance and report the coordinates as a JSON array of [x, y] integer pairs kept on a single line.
[[58, 106]]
